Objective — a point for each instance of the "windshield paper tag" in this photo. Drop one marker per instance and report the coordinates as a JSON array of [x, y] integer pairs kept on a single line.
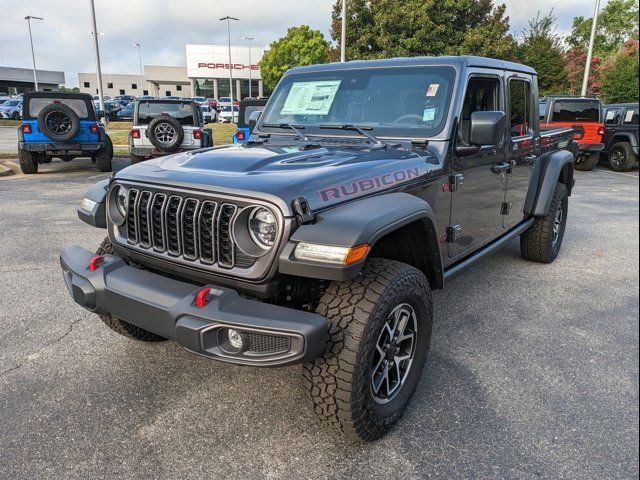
[[610, 115], [311, 98], [433, 89], [628, 116], [429, 114]]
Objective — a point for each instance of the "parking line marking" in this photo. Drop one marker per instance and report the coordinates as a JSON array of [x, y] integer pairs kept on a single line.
[[615, 173]]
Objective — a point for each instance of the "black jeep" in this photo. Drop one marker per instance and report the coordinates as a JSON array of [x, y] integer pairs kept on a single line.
[[621, 135], [63, 125], [363, 187]]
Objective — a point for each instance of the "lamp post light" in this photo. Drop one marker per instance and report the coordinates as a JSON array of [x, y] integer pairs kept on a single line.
[[587, 67], [228, 19], [343, 33], [96, 50], [140, 65], [250, 39], [28, 18]]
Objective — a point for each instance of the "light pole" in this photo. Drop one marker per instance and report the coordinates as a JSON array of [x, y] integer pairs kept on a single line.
[[228, 19], [587, 67], [96, 50], [343, 36], [250, 39], [140, 65], [28, 18]]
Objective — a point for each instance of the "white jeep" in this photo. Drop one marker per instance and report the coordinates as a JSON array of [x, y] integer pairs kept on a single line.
[[163, 127]]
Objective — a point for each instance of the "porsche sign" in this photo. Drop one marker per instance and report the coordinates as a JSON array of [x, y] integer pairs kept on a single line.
[[212, 61]]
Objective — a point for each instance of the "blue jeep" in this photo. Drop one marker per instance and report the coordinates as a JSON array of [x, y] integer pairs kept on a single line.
[[62, 125], [247, 107]]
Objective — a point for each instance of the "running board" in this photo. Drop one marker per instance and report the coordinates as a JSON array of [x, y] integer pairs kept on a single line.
[[459, 267]]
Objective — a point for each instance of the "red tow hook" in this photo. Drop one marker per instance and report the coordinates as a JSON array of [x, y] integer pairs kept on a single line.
[[93, 264], [201, 297]]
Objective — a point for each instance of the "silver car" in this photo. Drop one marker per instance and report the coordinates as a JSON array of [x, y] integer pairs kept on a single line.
[[11, 109]]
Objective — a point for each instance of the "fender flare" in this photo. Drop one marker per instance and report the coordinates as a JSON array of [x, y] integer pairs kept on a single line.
[[97, 217], [623, 137], [552, 172], [366, 220]]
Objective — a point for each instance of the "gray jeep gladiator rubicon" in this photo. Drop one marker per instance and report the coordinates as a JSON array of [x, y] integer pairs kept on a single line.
[[363, 187]]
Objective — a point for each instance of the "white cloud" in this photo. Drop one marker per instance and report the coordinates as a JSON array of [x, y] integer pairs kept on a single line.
[[164, 27]]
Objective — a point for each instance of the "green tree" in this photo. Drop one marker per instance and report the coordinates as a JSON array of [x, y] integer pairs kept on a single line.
[[389, 28], [620, 79], [65, 88], [617, 23], [542, 48], [300, 46]]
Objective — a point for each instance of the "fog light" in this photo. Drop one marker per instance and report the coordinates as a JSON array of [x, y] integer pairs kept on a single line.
[[235, 339]]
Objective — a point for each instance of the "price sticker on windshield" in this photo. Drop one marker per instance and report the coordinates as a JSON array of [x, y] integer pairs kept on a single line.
[[311, 98], [432, 91]]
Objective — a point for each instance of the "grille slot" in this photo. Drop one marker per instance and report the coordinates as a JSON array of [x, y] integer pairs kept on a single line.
[[226, 248], [191, 229], [262, 343]]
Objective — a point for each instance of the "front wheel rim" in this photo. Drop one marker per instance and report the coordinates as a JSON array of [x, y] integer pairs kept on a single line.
[[616, 158], [557, 224], [394, 353]]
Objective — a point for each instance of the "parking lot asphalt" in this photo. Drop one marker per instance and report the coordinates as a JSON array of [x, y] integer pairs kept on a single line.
[[533, 370]]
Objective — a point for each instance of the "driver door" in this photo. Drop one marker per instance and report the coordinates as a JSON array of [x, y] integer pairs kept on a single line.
[[476, 204]]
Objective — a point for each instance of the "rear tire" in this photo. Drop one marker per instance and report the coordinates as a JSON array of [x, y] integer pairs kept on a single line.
[[366, 319], [28, 161], [136, 158], [586, 162], [542, 242], [621, 157], [120, 326], [104, 156]]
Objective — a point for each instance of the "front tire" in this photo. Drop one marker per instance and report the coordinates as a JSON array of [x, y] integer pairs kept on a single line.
[[542, 242], [120, 326], [28, 161], [586, 162], [621, 157], [351, 388]]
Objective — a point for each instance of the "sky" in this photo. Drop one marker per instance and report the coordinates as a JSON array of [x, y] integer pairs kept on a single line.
[[164, 27]]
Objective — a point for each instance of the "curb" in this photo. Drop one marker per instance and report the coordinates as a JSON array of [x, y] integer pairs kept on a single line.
[[5, 171]]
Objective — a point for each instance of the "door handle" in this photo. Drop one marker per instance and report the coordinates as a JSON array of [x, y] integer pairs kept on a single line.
[[502, 167]]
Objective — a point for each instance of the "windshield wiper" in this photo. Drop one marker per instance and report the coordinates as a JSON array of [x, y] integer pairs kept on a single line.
[[297, 129], [361, 130]]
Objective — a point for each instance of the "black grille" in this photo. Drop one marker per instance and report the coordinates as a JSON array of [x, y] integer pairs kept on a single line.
[[193, 229], [261, 343]]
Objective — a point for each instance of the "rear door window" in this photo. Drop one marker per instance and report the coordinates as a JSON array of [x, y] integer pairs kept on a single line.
[[520, 107], [76, 104], [180, 111], [612, 116], [578, 110]]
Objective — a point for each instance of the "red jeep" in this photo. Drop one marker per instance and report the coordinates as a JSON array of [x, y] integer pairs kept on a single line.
[[582, 114]]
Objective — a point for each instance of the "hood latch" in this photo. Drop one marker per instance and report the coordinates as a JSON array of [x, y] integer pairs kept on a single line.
[[302, 210]]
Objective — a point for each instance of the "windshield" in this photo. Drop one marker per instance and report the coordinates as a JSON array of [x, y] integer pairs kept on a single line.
[[576, 111], [228, 109], [180, 111], [394, 101]]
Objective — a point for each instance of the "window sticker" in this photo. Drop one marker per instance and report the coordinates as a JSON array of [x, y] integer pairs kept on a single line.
[[429, 114], [432, 91], [311, 98], [610, 114], [628, 116]]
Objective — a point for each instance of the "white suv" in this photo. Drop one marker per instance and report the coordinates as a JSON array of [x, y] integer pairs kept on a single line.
[[163, 127]]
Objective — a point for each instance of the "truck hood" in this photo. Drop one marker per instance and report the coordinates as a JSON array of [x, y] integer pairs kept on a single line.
[[280, 174]]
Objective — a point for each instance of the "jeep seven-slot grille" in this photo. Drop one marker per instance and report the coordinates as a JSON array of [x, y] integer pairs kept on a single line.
[[184, 227]]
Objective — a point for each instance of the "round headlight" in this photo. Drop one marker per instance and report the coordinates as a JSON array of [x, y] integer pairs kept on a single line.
[[263, 227], [121, 201]]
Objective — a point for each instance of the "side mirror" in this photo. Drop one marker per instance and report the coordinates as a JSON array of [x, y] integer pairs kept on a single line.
[[487, 128], [253, 119]]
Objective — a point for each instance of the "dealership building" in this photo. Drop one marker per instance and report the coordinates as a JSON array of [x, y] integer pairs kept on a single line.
[[207, 74], [20, 80]]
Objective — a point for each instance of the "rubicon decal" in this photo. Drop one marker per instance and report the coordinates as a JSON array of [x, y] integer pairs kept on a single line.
[[368, 184]]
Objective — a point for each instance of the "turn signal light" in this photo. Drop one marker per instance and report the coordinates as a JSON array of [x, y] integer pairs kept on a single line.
[[25, 127], [135, 133], [240, 135], [601, 130], [197, 134]]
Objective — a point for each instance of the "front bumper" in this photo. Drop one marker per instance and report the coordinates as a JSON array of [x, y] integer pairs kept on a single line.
[[61, 148], [273, 335]]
